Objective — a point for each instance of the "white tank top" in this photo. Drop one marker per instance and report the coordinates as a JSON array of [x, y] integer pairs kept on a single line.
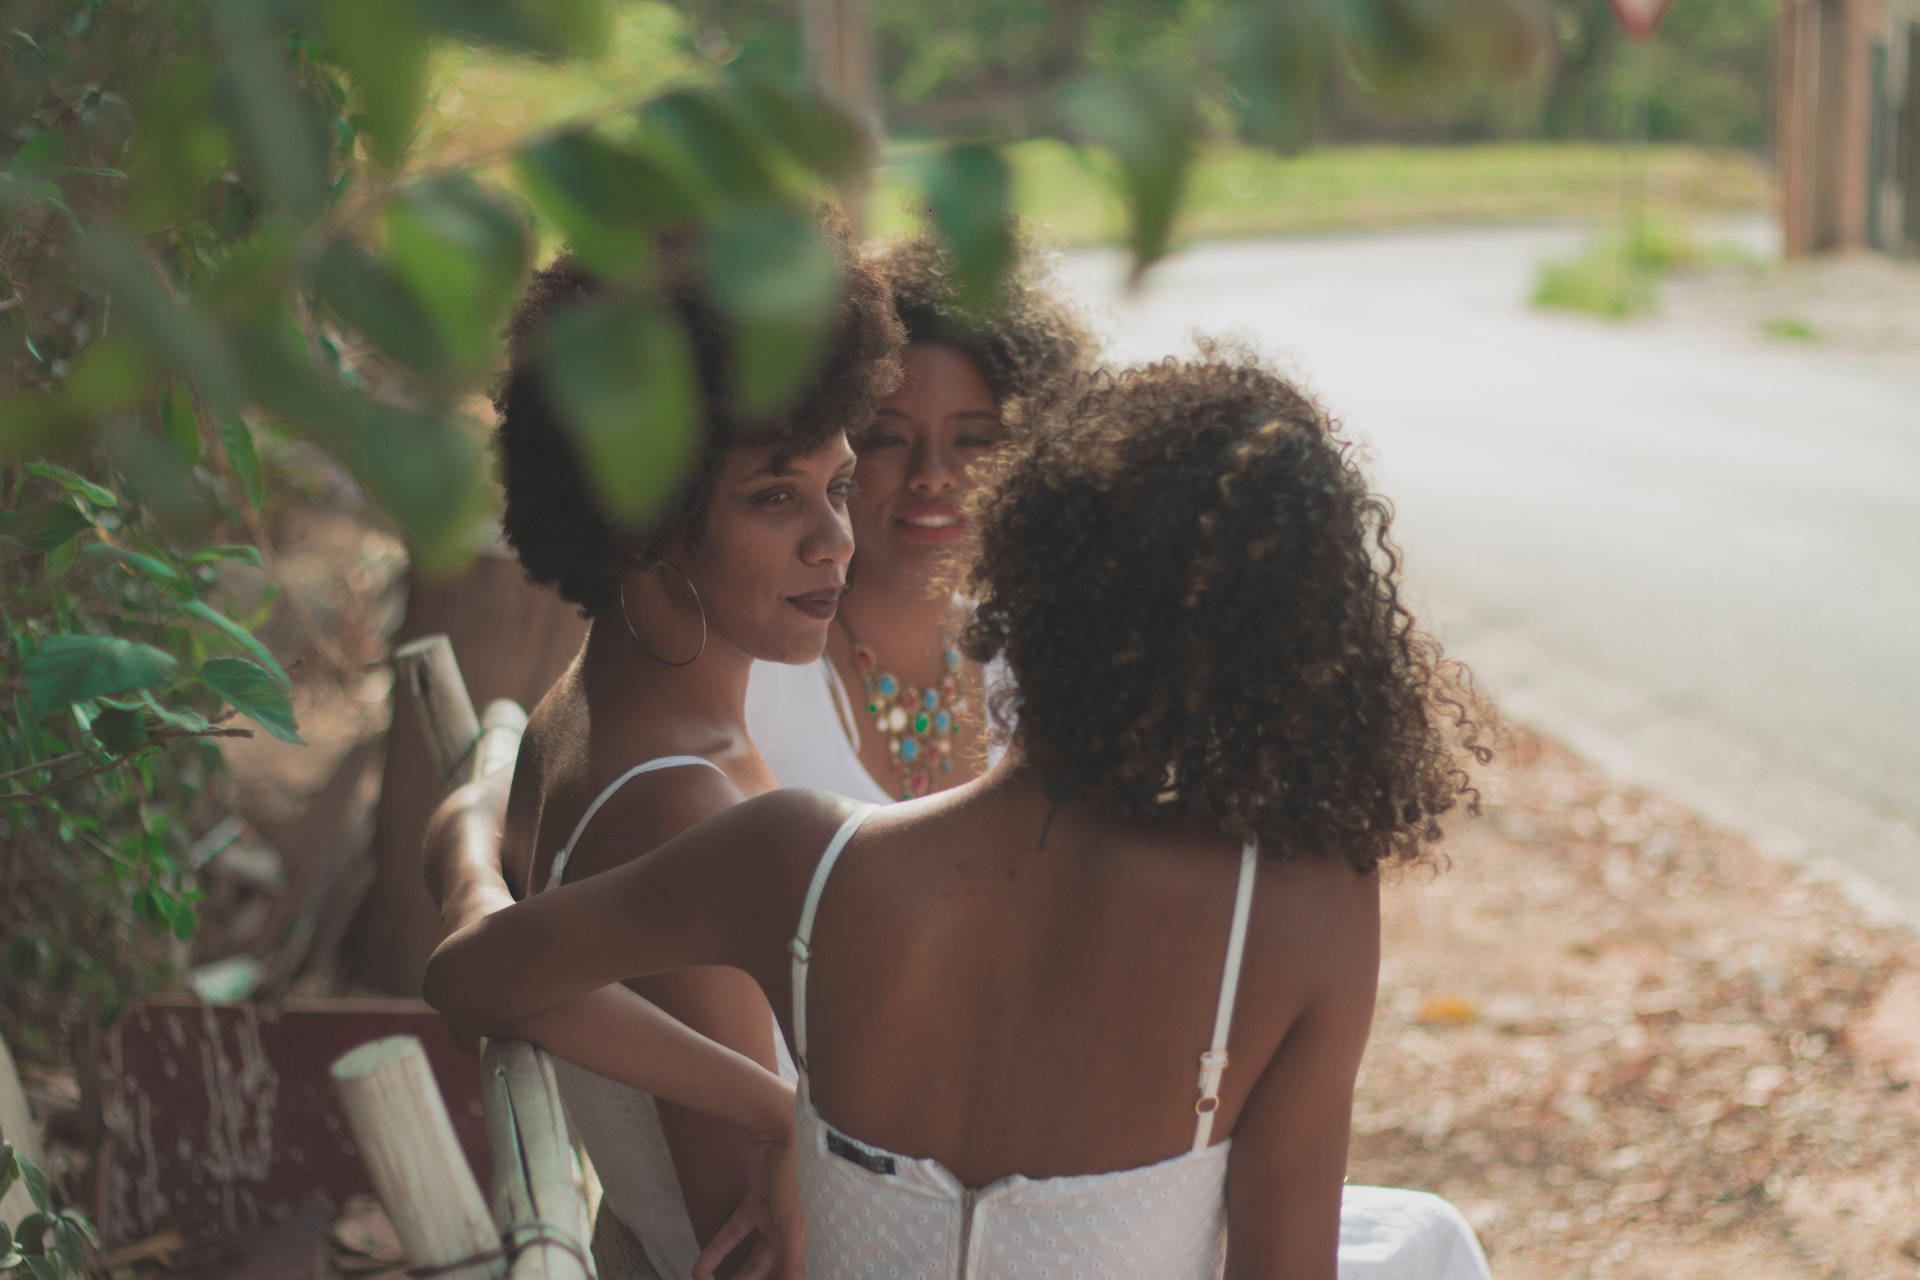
[[620, 1125], [801, 721], [877, 1213]]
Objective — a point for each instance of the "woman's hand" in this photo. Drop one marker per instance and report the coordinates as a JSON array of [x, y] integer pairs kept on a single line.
[[770, 1212]]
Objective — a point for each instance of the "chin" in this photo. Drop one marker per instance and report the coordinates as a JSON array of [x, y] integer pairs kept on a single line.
[[796, 646]]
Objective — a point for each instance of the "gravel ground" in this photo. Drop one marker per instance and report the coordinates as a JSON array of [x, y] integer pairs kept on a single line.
[[1628, 1045]]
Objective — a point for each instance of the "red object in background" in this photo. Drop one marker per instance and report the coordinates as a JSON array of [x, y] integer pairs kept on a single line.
[[1638, 18], [223, 1118]]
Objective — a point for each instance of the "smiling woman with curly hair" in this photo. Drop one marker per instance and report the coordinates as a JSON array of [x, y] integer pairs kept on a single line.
[[1099, 1012], [891, 683]]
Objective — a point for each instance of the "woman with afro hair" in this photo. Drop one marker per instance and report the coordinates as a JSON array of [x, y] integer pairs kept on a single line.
[[1097, 1013], [644, 734]]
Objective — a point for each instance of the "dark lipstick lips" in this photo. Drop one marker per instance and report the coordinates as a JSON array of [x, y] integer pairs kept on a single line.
[[818, 604]]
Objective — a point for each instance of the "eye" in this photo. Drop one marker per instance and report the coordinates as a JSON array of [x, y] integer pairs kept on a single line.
[[843, 489], [772, 497], [881, 438], [978, 440]]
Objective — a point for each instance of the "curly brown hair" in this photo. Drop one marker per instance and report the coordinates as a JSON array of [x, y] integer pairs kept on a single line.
[[551, 518], [1199, 601], [1024, 342]]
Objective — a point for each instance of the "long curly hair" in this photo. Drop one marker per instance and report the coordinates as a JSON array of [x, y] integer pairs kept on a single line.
[[1200, 604], [1024, 342], [551, 518]]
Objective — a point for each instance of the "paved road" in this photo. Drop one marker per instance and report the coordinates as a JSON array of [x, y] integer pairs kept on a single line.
[[1689, 550]]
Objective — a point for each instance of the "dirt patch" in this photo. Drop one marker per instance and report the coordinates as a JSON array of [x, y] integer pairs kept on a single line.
[[1628, 1045]]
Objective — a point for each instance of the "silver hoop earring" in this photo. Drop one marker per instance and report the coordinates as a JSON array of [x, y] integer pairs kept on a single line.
[[697, 603]]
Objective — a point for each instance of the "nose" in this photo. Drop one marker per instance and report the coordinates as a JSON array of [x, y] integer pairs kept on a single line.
[[830, 539], [931, 470]]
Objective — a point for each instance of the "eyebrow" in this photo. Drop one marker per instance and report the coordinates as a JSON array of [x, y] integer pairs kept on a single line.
[[780, 467]]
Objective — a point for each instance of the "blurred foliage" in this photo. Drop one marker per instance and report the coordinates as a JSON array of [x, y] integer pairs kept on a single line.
[[48, 1243], [1709, 80], [223, 240]]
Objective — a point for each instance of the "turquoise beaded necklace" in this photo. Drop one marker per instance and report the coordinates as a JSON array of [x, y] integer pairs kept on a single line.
[[918, 724]]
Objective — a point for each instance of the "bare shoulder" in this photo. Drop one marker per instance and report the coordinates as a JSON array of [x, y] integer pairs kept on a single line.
[[1317, 915], [792, 827], [637, 814]]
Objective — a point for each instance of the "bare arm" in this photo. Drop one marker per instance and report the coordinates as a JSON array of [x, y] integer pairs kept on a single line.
[[725, 892], [1289, 1157], [462, 854]]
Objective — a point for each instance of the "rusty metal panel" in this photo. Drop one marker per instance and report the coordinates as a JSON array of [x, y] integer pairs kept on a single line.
[[222, 1117]]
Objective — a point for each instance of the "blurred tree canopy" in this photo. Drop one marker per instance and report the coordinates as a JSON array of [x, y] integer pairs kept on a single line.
[[220, 244], [1709, 82]]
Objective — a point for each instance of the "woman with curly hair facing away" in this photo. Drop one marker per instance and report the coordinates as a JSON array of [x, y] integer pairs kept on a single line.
[[893, 710], [644, 734], [1097, 1013]]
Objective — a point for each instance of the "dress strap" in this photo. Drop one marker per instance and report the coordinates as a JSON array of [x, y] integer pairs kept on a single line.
[[1213, 1063], [580, 827], [801, 948]]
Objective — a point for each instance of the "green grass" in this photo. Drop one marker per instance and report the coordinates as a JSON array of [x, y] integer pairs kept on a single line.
[[1789, 329], [1236, 191], [1618, 275]]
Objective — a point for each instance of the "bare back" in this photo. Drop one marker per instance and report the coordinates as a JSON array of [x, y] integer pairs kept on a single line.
[[1007, 1007]]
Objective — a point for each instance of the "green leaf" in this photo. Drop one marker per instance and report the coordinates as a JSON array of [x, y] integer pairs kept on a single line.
[[1276, 62], [281, 137], [36, 1184], [82, 1224], [363, 292], [606, 198], [426, 471], [208, 614], [110, 374], [622, 372], [182, 425], [76, 484], [1146, 123], [183, 718], [39, 157], [970, 203], [181, 337], [180, 145], [9, 1161], [812, 128], [238, 439], [239, 552], [769, 271], [173, 914], [120, 732], [28, 1233], [69, 668], [383, 47], [463, 253], [42, 526], [145, 565], [255, 692], [43, 1269], [712, 137]]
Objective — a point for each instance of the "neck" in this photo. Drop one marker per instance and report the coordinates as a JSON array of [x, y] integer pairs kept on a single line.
[[901, 626], [694, 704]]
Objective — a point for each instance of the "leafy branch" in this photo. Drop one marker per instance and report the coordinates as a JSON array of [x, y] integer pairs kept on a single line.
[[155, 739]]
